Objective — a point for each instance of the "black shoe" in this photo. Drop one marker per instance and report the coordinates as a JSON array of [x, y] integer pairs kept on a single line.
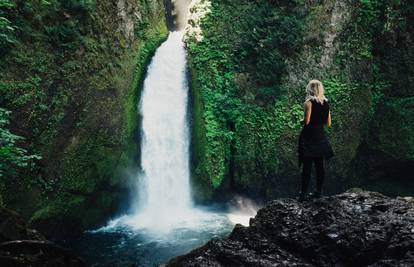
[[315, 195], [302, 197]]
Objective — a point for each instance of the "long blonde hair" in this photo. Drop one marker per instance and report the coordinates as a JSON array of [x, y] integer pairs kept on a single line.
[[315, 91]]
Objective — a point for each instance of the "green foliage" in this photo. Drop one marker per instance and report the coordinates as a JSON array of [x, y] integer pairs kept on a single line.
[[13, 158], [6, 28], [236, 74], [342, 99], [247, 106], [71, 80], [266, 39], [390, 111], [368, 12]]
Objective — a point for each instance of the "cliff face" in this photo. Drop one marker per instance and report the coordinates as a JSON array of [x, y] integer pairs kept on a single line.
[[351, 229], [71, 73], [250, 62]]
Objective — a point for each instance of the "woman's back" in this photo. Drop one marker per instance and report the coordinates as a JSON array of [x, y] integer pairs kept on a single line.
[[320, 113]]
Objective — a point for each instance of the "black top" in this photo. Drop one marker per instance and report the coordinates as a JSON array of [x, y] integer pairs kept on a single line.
[[320, 113], [313, 142]]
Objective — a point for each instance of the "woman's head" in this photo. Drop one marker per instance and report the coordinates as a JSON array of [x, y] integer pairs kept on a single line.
[[315, 91]]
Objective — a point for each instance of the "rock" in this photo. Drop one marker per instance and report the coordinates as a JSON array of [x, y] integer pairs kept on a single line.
[[21, 246], [357, 228], [12, 227]]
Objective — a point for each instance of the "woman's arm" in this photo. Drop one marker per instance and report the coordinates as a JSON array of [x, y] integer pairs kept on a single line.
[[307, 106], [329, 121]]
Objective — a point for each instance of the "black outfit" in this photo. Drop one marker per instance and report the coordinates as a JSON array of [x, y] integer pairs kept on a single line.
[[306, 174], [314, 145]]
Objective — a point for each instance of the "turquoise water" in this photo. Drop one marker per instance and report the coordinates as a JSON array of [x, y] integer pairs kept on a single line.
[[120, 244]]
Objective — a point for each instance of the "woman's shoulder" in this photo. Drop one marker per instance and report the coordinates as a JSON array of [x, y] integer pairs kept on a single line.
[[307, 103], [326, 104]]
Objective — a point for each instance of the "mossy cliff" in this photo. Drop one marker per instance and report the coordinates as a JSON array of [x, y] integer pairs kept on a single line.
[[250, 62], [71, 74]]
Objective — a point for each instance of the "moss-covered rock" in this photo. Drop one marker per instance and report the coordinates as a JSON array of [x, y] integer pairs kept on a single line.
[[72, 80], [389, 148], [250, 66]]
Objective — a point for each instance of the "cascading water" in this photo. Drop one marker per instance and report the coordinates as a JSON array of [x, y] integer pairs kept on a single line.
[[163, 222], [164, 186], [164, 199]]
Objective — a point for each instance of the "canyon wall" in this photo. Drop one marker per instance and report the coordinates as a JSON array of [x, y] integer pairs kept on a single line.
[[70, 84], [250, 63]]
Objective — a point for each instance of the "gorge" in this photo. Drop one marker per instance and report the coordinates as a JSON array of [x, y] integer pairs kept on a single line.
[[163, 221], [89, 136]]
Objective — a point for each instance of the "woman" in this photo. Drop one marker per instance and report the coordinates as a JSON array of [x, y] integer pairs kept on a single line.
[[314, 147]]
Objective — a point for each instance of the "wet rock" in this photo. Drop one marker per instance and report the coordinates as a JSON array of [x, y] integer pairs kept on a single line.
[[21, 246], [355, 228], [12, 227]]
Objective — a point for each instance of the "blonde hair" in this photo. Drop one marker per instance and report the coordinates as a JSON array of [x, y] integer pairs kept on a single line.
[[315, 91]]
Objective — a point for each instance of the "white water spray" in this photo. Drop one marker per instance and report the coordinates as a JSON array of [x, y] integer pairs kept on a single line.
[[164, 186], [163, 222], [164, 203], [241, 210], [165, 147]]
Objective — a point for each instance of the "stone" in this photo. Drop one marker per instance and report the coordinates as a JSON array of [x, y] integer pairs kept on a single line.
[[357, 228], [21, 246], [12, 227]]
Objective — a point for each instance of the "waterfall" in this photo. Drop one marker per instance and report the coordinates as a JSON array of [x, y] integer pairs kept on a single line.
[[163, 204], [163, 222], [164, 199], [164, 183]]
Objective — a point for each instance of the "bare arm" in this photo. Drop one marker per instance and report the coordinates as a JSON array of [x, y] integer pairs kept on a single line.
[[307, 106], [329, 121]]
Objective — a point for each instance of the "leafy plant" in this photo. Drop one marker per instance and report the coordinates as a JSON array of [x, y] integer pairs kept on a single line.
[[6, 27], [237, 71], [12, 156]]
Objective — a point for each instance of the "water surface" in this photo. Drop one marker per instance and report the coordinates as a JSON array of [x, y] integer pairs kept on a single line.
[[122, 243]]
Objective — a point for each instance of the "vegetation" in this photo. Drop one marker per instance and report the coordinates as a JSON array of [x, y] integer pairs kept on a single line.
[[6, 28], [71, 77], [248, 74], [237, 70], [12, 156], [71, 81]]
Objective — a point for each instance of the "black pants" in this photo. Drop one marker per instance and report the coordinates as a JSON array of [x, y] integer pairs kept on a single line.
[[306, 173]]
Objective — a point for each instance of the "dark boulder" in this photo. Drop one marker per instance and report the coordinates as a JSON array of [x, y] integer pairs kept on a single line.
[[13, 227], [21, 246], [356, 228]]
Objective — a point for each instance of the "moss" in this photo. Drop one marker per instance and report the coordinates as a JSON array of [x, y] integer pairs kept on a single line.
[[97, 162], [154, 38], [249, 88], [396, 142], [64, 215], [91, 161], [67, 204], [72, 81], [202, 187]]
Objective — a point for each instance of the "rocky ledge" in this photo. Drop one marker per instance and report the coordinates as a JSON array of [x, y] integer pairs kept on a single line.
[[21, 246], [356, 228]]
